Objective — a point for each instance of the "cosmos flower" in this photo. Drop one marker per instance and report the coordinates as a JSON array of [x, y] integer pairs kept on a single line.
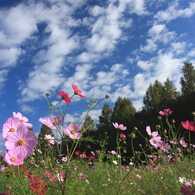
[[123, 136], [38, 186], [187, 190], [156, 141], [166, 112], [12, 159], [52, 122], [188, 125], [21, 142], [65, 97], [77, 91], [121, 126], [183, 143], [72, 131], [152, 134], [10, 125], [22, 119]]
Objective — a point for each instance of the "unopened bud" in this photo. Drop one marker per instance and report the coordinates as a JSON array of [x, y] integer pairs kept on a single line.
[[159, 118], [47, 94], [107, 96]]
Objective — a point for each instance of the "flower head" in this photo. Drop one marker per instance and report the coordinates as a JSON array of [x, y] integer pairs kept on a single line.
[[52, 122], [121, 126], [72, 131], [38, 186], [152, 134], [188, 125], [166, 112], [185, 181], [187, 190], [183, 143], [156, 141], [77, 91], [21, 142], [123, 136], [22, 119], [65, 97], [12, 159], [11, 125]]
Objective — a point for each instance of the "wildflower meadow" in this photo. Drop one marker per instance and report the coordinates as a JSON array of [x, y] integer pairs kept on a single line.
[[164, 164]]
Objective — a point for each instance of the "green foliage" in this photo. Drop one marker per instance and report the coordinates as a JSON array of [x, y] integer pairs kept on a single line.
[[123, 111], [188, 79], [45, 130]]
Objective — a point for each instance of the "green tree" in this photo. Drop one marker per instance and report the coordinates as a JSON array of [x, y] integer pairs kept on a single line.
[[187, 81], [123, 111], [88, 124], [104, 120], [170, 93], [154, 96]]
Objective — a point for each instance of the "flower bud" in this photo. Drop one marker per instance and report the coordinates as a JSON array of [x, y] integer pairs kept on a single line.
[[107, 96], [47, 94]]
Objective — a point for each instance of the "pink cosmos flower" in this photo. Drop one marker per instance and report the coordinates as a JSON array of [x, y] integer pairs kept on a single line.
[[166, 112], [77, 91], [72, 131], [112, 152], [52, 122], [64, 159], [21, 142], [123, 136], [10, 125], [12, 159], [183, 143], [156, 141], [188, 125], [165, 146], [121, 126], [187, 190], [51, 140], [65, 97], [22, 119], [152, 134]]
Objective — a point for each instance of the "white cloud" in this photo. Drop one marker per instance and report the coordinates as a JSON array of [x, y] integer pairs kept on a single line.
[[173, 12]]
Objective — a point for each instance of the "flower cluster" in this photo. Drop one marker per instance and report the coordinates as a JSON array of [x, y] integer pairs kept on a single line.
[[19, 141]]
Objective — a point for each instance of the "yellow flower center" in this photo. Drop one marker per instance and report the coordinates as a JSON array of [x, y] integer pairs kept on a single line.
[[12, 159], [12, 130], [72, 131], [21, 142], [55, 122], [77, 91], [21, 121]]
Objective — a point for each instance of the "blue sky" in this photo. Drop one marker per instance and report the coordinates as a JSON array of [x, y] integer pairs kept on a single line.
[[114, 47]]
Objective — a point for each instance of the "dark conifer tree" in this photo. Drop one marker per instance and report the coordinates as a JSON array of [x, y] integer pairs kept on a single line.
[[188, 79]]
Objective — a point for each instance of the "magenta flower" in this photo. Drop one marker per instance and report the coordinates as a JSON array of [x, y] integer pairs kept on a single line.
[[10, 125], [152, 134], [77, 91], [166, 112], [187, 190], [72, 131], [22, 119], [65, 97], [52, 122], [188, 125], [121, 126], [21, 142], [13, 159], [183, 143], [123, 136]]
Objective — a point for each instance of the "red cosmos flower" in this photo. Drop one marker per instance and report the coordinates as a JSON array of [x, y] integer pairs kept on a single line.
[[77, 91], [123, 136], [38, 186], [65, 97], [188, 125], [77, 153]]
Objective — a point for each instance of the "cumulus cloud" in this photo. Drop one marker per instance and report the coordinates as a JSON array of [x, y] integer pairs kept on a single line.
[[174, 11]]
